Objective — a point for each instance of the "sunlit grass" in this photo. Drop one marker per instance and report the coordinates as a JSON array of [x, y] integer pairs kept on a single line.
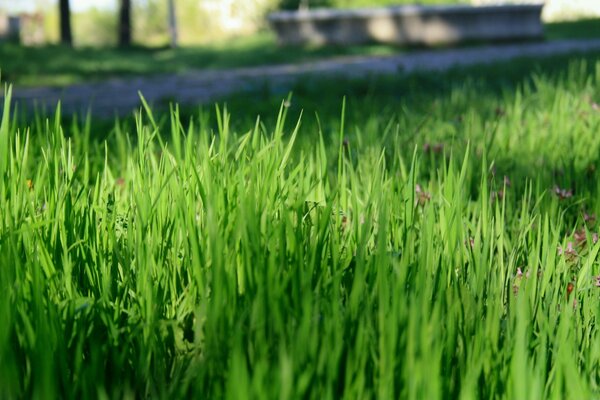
[[423, 255]]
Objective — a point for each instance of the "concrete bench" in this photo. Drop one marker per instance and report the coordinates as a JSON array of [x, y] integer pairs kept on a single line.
[[408, 25]]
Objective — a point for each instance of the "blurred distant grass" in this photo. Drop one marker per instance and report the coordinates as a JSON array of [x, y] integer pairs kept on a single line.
[[581, 29], [55, 65]]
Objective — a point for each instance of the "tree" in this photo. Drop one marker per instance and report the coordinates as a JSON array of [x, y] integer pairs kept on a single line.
[[64, 11], [125, 23], [172, 23]]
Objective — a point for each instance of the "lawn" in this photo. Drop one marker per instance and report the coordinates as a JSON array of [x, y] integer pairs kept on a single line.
[[56, 65], [431, 236]]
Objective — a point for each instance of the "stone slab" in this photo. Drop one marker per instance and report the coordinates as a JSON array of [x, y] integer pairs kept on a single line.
[[408, 25]]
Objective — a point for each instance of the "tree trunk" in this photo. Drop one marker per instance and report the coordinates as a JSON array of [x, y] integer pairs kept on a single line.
[[125, 23], [172, 23], [64, 12]]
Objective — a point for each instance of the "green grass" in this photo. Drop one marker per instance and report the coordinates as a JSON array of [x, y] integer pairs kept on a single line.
[[56, 65], [581, 29], [373, 257]]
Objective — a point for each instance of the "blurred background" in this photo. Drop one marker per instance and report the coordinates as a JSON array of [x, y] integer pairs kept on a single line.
[[155, 23]]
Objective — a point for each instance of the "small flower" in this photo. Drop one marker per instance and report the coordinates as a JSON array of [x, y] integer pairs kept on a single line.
[[499, 195], [422, 196], [570, 253], [29, 184], [515, 289], [471, 242], [120, 182], [589, 219], [519, 272], [563, 193], [595, 106], [580, 236], [344, 221], [570, 287], [597, 278]]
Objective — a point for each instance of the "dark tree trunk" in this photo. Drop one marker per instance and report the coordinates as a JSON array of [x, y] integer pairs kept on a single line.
[[66, 36], [125, 23], [172, 23]]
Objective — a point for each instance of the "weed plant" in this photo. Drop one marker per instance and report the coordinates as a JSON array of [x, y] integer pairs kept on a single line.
[[448, 255]]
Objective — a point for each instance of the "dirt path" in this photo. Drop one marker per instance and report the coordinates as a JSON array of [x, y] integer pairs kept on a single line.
[[120, 96]]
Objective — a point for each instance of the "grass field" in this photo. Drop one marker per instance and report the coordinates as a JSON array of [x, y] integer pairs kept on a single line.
[[436, 244], [56, 65]]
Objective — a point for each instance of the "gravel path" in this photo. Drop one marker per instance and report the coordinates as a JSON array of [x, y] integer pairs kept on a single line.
[[120, 96]]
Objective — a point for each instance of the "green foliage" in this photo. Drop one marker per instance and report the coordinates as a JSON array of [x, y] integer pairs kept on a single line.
[[382, 255], [95, 28]]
